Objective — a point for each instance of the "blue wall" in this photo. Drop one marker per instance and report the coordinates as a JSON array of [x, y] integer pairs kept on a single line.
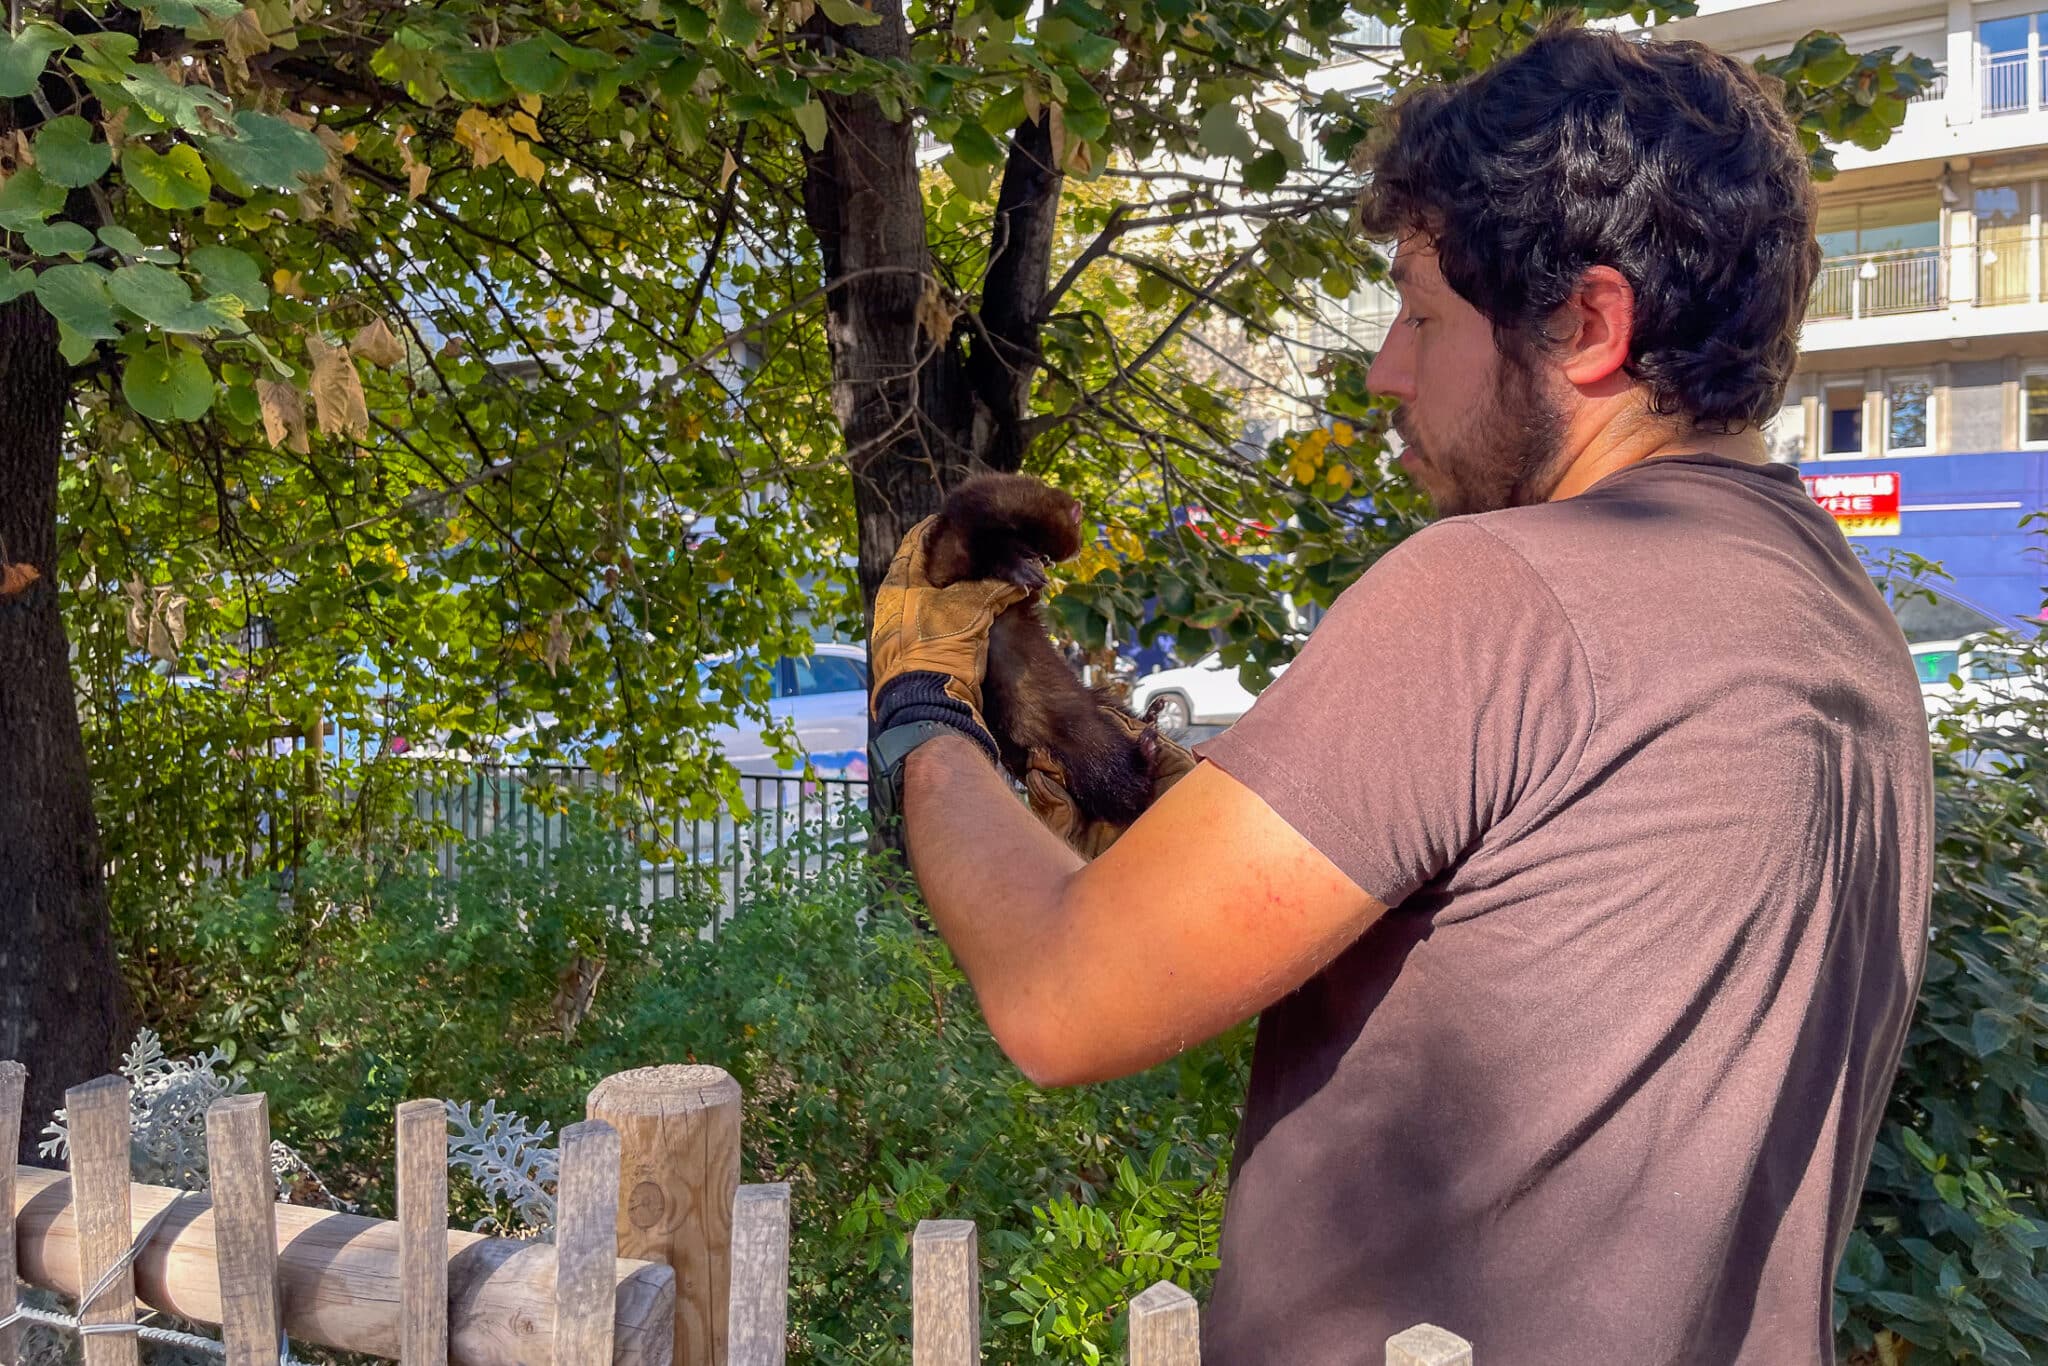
[[1996, 566]]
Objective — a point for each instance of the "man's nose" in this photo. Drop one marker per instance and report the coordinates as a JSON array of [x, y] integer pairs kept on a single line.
[[1392, 372]]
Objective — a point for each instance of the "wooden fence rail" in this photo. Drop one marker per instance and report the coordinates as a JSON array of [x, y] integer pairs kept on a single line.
[[654, 1171]]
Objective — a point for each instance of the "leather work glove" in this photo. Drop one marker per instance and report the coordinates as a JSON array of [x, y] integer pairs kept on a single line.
[[928, 649], [1045, 790]]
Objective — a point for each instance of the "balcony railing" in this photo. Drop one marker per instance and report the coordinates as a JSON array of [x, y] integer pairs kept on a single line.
[[1880, 283], [1937, 89], [1998, 270], [2009, 83]]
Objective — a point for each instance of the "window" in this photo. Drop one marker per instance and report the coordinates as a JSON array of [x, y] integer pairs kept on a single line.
[[1842, 423], [2008, 242], [2008, 52], [2034, 409], [827, 673], [1908, 414], [1879, 256]]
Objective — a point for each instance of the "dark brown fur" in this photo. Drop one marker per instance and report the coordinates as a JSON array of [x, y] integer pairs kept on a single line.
[[1010, 526]]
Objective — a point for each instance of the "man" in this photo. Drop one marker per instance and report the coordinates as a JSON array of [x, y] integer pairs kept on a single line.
[[1585, 951]]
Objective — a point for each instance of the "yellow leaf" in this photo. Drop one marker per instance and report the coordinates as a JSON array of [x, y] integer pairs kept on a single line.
[[415, 169], [1340, 478], [483, 135], [519, 156], [377, 345], [338, 400], [531, 104], [287, 282], [1344, 433], [522, 122]]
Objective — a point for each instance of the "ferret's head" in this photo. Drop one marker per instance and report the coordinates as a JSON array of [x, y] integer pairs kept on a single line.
[[1029, 515]]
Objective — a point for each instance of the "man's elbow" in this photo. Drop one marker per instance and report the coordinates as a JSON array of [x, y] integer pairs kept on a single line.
[[1052, 1051]]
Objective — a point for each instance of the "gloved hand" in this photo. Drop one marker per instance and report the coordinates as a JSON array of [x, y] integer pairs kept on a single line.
[[928, 649], [1045, 789]]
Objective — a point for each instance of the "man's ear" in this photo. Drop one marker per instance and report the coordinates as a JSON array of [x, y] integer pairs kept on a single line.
[[1594, 329]]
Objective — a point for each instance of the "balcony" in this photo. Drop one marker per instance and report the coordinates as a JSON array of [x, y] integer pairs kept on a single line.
[[1937, 89], [1996, 287], [2011, 83]]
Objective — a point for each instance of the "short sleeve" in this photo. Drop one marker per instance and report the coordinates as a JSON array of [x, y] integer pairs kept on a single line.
[[1445, 696]]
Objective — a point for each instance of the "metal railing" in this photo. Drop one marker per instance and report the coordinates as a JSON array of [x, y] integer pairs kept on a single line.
[[2008, 83], [1937, 89], [1880, 283]]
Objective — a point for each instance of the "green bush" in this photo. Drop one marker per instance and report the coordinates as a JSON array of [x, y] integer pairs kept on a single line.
[[871, 1082], [1951, 1251]]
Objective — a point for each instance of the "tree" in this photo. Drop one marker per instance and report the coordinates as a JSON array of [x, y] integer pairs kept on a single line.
[[448, 369]]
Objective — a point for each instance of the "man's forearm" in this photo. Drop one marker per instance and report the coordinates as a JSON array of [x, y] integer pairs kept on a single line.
[[995, 881]]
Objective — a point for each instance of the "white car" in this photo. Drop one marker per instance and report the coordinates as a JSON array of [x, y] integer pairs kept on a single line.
[[1205, 693], [1976, 670]]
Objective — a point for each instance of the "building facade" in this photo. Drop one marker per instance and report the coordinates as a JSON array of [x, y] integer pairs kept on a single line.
[[1920, 410]]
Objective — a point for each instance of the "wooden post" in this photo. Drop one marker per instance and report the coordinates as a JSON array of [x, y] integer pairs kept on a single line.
[[423, 1233], [1166, 1328], [13, 1077], [759, 1331], [245, 1228], [340, 1279], [586, 1242], [945, 1294], [679, 1167], [96, 1118], [1427, 1345]]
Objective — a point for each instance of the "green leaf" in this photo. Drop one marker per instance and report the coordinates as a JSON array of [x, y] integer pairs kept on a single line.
[[67, 155], [269, 152], [972, 180], [1990, 1031], [974, 145], [26, 199], [531, 67], [58, 239], [77, 297], [1092, 51], [191, 13], [175, 180], [810, 116], [234, 274], [738, 22], [23, 57], [15, 283], [1216, 614], [173, 387], [1264, 172], [1155, 291], [168, 102], [122, 240], [161, 298], [475, 75], [849, 15]]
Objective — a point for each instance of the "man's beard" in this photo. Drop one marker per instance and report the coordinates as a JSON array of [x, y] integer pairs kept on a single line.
[[1501, 454]]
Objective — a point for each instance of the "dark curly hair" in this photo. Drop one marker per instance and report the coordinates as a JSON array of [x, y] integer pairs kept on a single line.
[[1674, 164]]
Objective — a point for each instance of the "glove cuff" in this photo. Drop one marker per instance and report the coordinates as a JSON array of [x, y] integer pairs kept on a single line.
[[921, 696]]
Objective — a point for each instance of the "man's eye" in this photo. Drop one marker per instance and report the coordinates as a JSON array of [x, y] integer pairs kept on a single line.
[[1415, 321]]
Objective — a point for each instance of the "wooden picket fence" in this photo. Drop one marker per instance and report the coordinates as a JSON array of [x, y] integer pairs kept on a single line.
[[660, 1256]]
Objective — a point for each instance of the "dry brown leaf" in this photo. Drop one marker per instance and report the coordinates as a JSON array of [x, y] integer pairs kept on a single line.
[[415, 169], [174, 618], [338, 402], [726, 168], [244, 38], [138, 614], [15, 579], [284, 414], [377, 345], [1033, 106], [115, 127], [20, 151], [556, 652], [935, 313]]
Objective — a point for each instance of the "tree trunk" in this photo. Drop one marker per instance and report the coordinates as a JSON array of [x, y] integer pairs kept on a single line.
[[63, 1010]]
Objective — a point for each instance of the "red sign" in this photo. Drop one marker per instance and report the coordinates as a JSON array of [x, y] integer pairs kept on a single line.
[[1862, 504]]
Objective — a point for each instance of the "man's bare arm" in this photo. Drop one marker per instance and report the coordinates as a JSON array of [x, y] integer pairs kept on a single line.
[[1207, 910]]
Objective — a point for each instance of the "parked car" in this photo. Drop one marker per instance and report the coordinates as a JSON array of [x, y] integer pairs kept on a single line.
[[1977, 670], [1205, 693]]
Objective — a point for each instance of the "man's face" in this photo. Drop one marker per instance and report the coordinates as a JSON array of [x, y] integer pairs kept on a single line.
[[1480, 429]]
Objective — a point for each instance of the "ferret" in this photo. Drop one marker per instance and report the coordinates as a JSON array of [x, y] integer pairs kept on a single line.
[[1009, 527]]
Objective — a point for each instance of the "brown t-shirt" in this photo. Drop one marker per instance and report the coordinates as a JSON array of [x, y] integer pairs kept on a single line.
[[1645, 778]]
